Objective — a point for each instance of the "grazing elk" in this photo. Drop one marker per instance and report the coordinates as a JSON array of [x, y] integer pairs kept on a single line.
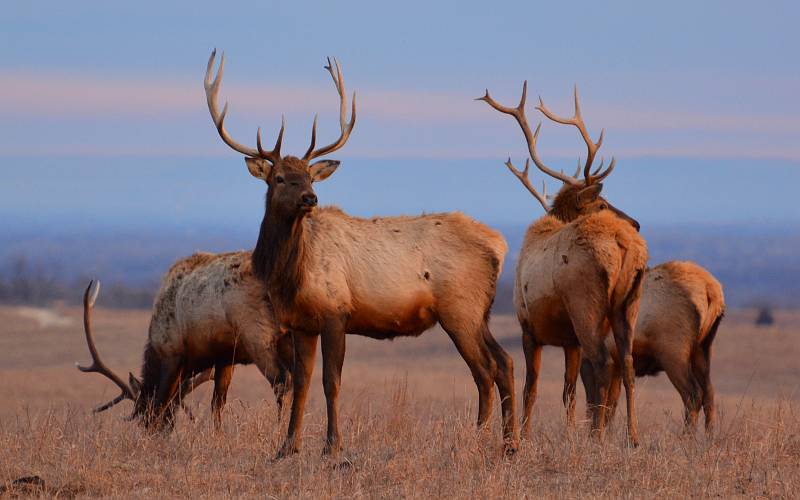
[[329, 274], [681, 308], [580, 266], [210, 312]]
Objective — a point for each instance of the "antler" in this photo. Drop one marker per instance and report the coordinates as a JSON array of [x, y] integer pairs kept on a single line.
[[519, 114], [523, 178], [212, 90], [591, 147], [346, 127], [97, 366]]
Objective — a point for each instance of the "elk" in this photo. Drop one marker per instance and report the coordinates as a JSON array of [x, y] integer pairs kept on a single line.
[[681, 308], [329, 274], [210, 313], [580, 266]]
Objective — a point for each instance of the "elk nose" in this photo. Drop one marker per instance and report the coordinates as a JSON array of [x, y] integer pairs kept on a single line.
[[309, 200]]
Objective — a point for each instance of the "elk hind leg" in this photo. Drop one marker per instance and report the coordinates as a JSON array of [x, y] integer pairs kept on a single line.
[[533, 364], [623, 321], [572, 361], [481, 363], [223, 372], [505, 386], [701, 365]]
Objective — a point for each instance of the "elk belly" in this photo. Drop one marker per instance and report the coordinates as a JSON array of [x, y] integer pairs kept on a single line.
[[389, 317]]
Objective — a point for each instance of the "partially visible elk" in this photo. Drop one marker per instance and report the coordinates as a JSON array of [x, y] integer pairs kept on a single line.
[[681, 308], [210, 313], [580, 266], [329, 274]]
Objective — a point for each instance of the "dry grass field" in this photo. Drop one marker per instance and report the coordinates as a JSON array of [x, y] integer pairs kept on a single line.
[[408, 411]]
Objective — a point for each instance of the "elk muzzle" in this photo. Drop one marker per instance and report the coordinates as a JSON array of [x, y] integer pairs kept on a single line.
[[633, 222], [308, 201]]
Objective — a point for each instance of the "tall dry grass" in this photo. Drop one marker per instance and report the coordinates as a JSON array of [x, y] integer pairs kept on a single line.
[[408, 410]]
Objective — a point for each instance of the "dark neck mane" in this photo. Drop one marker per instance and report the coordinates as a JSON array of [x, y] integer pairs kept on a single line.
[[278, 256], [563, 206]]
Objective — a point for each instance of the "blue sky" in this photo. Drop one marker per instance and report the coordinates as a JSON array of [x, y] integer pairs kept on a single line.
[[104, 119]]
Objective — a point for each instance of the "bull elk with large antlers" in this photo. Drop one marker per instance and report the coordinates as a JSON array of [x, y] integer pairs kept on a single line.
[[210, 313], [681, 308], [580, 268], [329, 274]]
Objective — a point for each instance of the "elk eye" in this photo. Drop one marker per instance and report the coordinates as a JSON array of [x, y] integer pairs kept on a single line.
[[603, 206], [279, 179]]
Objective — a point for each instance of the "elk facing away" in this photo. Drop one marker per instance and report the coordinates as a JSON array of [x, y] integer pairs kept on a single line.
[[580, 267], [681, 308], [329, 274], [210, 312]]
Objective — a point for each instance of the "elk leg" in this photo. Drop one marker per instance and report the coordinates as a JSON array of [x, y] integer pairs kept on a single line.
[[482, 366], [282, 386], [615, 384], [572, 361], [678, 369], [223, 371], [623, 337], [701, 364], [333, 348], [533, 363], [305, 348], [589, 382], [505, 385], [168, 384]]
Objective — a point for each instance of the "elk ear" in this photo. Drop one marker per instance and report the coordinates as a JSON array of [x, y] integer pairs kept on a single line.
[[135, 383], [323, 169], [589, 194], [258, 167]]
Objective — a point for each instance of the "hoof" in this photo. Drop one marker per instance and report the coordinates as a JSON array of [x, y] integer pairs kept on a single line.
[[332, 450], [285, 452]]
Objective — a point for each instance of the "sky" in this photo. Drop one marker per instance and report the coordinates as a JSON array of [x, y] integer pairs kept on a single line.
[[104, 120]]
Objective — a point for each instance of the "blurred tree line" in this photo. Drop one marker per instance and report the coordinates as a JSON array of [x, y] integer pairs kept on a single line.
[[32, 283]]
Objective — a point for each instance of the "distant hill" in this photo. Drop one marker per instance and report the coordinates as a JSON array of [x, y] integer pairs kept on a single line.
[[757, 265]]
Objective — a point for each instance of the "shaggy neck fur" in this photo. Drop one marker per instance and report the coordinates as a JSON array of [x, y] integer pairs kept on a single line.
[[278, 256], [150, 376], [564, 205]]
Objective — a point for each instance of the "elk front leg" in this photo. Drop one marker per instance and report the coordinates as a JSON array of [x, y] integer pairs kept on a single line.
[[223, 372], [282, 386], [572, 361], [333, 347], [533, 363], [305, 348]]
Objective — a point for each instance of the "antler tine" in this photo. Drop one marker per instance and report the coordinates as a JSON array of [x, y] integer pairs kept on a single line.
[[519, 114], [577, 121], [110, 404], [313, 137], [212, 91], [578, 169], [97, 366], [602, 162], [274, 155], [523, 178], [346, 128], [599, 177]]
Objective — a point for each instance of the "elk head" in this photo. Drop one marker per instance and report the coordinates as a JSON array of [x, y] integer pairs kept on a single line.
[[577, 197], [289, 179]]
